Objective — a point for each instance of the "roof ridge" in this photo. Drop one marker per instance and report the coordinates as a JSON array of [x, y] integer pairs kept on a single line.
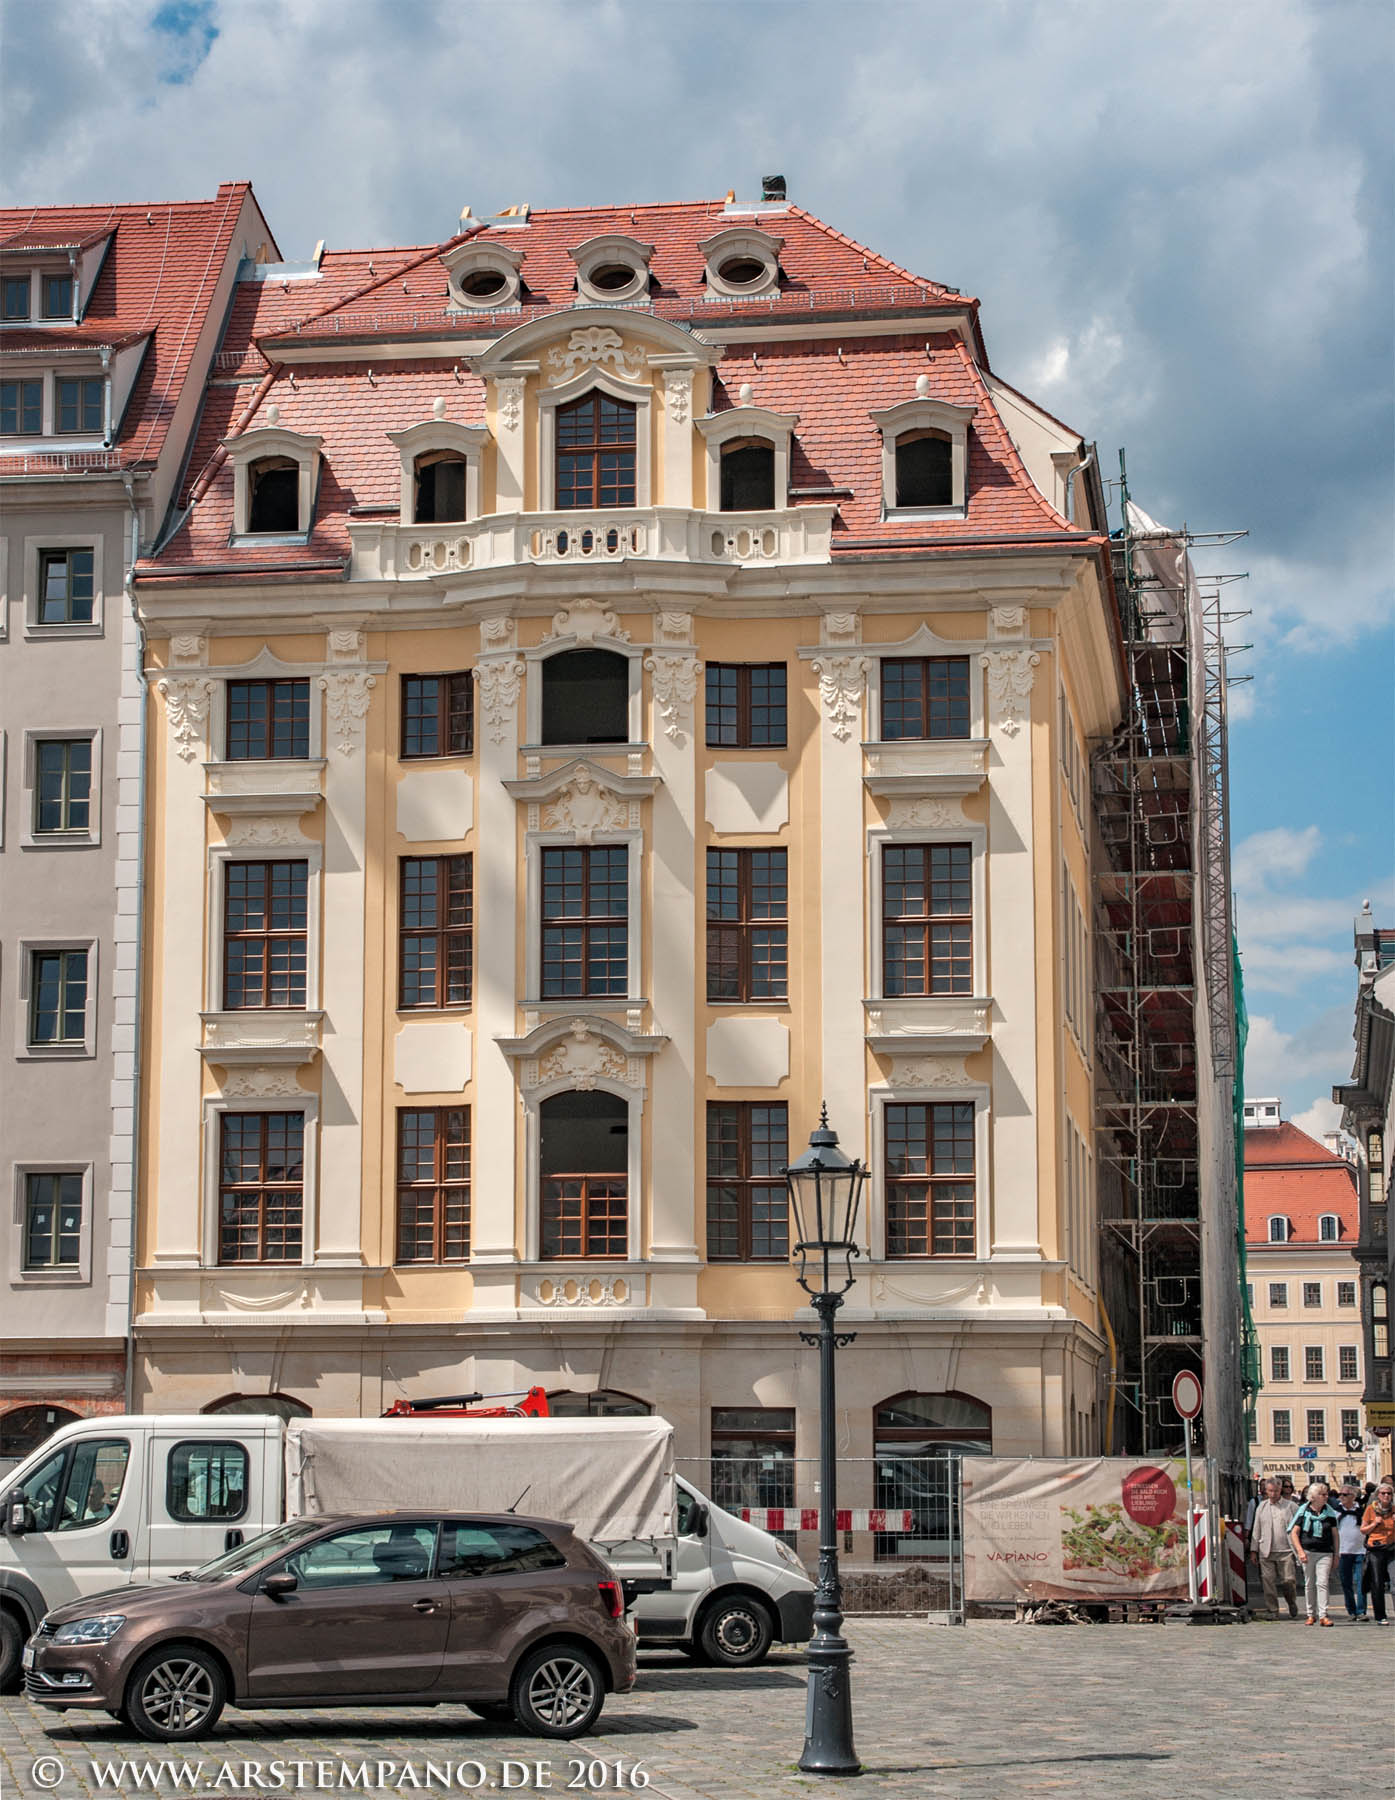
[[876, 255], [378, 281]]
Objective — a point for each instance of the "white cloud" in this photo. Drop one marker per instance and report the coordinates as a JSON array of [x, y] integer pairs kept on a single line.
[[1302, 1066], [1322, 1116], [1281, 852]]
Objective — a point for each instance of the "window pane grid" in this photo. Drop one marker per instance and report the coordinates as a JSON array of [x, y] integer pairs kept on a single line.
[[268, 719], [63, 784], [433, 1184], [436, 937], [927, 919], [925, 697], [438, 715], [585, 1216], [79, 405], [746, 705], [58, 997], [264, 935], [595, 453], [260, 1190], [585, 930], [66, 588], [52, 1220], [747, 1201], [930, 1189], [21, 408], [747, 934]]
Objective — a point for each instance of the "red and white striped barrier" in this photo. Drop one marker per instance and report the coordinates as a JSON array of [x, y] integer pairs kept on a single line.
[[1230, 1584], [795, 1518]]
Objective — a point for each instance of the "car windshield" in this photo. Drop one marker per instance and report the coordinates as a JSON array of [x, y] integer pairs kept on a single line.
[[257, 1549]]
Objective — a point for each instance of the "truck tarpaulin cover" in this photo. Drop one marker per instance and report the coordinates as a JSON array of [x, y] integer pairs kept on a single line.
[[1096, 1528], [610, 1479]]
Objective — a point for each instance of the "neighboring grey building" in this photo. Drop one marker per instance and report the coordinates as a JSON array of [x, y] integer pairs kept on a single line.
[[109, 320], [1366, 1101]]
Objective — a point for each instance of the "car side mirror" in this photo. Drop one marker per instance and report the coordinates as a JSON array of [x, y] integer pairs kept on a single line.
[[280, 1585], [19, 1514], [698, 1527]]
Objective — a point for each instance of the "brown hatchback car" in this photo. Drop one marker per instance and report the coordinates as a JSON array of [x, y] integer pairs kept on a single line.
[[512, 1617]]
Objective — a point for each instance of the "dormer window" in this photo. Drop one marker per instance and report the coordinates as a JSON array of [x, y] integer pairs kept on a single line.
[[17, 292], [748, 476], [274, 475], [1328, 1228], [272, 495], [925, 450], [79, 403], [440, 469], [483, 276], [742, 261], [596, 452], [1278, 1230], [21, 408], [612, 269], [57, 296], [439, 487]]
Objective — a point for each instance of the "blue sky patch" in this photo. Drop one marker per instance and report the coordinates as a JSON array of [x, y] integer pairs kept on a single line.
[[188, 26]]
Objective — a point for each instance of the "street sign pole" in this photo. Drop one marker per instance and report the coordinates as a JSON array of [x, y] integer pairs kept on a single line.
[[1191, 1520], [1186, 1399]]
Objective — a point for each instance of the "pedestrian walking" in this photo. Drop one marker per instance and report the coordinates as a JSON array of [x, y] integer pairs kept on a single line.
[[1313, 1535], [1351, 1554], [1378, 1529], [1270, 1548]]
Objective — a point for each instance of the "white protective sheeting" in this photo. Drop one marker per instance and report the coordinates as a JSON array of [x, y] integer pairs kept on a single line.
[[611, 1480]]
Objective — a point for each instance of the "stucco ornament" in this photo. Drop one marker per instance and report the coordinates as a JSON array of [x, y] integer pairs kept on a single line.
[[584, 807], [499, 683], [586, 621], [243, 831], [583, 1060], [497, 633], [1010, 681], [933, 1072], [345, 646], [186, 700], [188, 650], [934, 815], [840, 627], [613, 1292], [594, 344], [347, 697], [1007, 622], [675, 687], [842, 680], [261, 1084], [678, 394], [676, 627], [510, 403]]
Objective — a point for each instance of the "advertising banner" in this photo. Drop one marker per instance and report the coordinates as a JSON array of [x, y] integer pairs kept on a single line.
[[1090, 1528]]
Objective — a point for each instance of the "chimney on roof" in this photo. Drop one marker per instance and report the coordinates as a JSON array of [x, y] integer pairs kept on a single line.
[[772, 187]]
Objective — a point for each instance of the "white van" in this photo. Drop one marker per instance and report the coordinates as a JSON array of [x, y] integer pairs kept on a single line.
[[107, 1502]]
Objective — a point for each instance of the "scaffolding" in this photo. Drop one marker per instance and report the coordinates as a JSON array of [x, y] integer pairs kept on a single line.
[[1166, 1067]]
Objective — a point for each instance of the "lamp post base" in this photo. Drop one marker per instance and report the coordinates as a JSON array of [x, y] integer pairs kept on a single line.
[[828, 1733]]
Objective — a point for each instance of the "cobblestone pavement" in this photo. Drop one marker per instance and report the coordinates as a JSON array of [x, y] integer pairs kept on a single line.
[[1127, 1712]]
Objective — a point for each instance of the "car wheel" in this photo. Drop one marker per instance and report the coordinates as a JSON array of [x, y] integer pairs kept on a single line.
[[736, 1633], [557, 1691], [497, 1712], [176, 1692], [11, 1649]]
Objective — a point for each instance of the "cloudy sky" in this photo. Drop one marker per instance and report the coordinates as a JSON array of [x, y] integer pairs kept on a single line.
[[1177, 217]]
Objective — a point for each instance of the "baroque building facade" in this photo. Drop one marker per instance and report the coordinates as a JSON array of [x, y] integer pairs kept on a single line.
[[111, 316], [621, 680]]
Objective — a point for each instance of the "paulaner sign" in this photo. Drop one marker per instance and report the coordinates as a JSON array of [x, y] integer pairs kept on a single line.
[[1092, 1528]]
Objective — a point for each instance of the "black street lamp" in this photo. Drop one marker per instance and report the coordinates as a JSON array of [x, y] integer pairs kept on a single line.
[[824, 1191]]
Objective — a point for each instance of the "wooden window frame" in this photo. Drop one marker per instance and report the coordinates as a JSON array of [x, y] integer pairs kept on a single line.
[[1312, 1295], [745, 738], [67, 828], [1280, 1371], [452, 718], [455, 886], [1320, 1435], [23, 387], [576, 453], [744, 930], [901, 1231], [747, 1183], [82, 398], [267, 935], [1281, 1433], [45, 310], [1348, 1357], [1278, 1296], [63, 955], [299, 727], [1314, 1363], [927, 702], [26, 284], [51, 559], [55, 1264], [263, 1192], [959, 924], [599, 1200], [445, 1187], [586, 922]]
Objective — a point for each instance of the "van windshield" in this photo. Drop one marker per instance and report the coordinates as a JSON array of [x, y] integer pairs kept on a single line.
[[257, 1549]]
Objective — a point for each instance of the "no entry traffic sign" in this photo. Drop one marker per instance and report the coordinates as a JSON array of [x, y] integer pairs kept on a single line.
[[1186, 1394]]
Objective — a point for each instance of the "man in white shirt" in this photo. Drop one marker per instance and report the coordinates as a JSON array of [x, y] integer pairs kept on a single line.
[[1271, 1549]]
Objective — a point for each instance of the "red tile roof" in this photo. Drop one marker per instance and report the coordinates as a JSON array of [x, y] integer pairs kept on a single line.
[[159, 277], [1292, 1176]]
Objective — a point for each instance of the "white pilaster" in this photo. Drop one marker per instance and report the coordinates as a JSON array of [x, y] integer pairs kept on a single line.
[[1012, 950], [508, 440], [678, 437]]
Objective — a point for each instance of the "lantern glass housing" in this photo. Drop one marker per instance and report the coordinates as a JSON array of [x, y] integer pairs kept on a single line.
[[825, 1188]]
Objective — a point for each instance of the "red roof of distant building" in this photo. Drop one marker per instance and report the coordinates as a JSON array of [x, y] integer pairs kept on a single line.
[[1290, 1175], [157, 279]]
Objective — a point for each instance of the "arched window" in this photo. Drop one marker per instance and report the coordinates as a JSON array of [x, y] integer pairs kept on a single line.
[[604, 1403], [1328, 1228], [748, 475], [438, 487], [596, 452], [924, 469], [584, 1166], [281, 1404], [586, 698], [25, 1427], [915, 1437], [1278, 1230], [1380, 1323], [273, 495]]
